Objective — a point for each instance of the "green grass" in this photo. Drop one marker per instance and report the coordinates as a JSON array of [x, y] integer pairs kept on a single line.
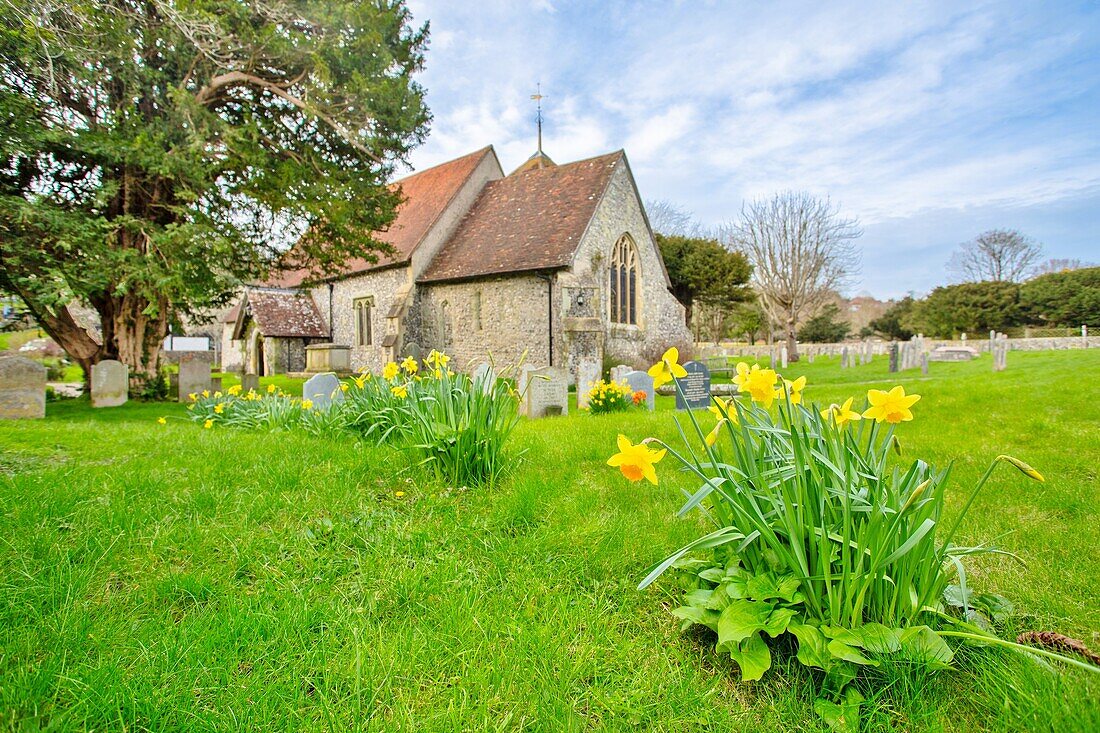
[[171, 578]]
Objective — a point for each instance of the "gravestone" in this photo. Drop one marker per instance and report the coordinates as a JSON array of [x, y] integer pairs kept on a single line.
[[194, 372], [783, 357], [588, 375], [953, 353], [924, 363], [413, 349], [110, 383], [250, 382], [893, 356], [694, 391], [22, 388], [484, 377], [322, 390], [543, 392], [642, 382], [620, 371], [215, 384], [844, 358]]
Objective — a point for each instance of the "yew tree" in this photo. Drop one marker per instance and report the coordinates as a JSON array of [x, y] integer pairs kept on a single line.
[[157, 153]]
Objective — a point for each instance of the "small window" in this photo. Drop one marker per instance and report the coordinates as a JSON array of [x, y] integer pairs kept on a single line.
[[364, 329], [624, 282], [477, 310]]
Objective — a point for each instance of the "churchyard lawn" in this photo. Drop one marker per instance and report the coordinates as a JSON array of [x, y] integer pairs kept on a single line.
[[173, 578]]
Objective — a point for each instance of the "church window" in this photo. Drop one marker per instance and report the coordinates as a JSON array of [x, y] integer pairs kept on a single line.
[[624, 281], [364, 335]]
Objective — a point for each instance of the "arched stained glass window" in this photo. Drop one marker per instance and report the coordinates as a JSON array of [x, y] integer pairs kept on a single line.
[[624, 281]]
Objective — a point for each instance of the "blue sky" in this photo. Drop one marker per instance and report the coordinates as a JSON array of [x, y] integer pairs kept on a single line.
[[929, 122]]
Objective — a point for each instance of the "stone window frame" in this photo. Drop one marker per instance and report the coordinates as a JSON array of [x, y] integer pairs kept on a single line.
[[366, 303], [624, 283]]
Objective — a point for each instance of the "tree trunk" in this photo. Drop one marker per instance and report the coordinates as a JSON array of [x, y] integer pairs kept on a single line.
[[133, 336], [792, 341]]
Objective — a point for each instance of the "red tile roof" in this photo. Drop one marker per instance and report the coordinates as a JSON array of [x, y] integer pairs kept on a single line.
[[531, 220], [283, 313], [426, 196]]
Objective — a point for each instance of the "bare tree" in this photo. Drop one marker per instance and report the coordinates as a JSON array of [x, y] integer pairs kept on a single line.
[[1061, 265], [669, 219], [1000, 255], [801, 250]]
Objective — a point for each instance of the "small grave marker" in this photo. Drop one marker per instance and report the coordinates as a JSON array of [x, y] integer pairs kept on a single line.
[[22, 388], [322, 390], [642, 382], [544, 392], [194, 372]]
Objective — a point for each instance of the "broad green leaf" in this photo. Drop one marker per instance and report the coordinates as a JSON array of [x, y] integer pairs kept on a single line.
[[840, 650], [713, 575], [812, 650], [921, 643], [753, 657], [843, 716], [871, 636], [699, 597], [696, 615], [778, 621], [740, 619]]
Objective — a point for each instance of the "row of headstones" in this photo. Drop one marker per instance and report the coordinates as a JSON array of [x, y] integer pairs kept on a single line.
[[23, 386]]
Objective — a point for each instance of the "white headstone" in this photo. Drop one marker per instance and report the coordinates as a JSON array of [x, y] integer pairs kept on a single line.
[[642, 382], [620, 371], [110, 383], [483, 377], [322, 390], [783, 357], [22, 388]]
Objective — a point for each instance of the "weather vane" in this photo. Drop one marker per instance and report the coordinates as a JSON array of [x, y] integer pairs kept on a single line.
[[538, 96]]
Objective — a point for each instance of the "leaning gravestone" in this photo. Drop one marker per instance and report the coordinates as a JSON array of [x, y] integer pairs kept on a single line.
[[110, 383], [484, 377], [215, 384], [544, 392], [642, 382], [588, 374], [250, 382], [322, 390], [194, 372], [413, 349], [22, 388], [694, 391]]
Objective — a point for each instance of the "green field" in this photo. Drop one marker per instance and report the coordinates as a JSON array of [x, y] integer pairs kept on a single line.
[[171, 578]]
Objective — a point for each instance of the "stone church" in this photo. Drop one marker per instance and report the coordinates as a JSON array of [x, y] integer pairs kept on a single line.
[[555, 261]]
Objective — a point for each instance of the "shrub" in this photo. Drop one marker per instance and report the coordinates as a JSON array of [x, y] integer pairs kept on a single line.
[[820, 535], [607, 396]]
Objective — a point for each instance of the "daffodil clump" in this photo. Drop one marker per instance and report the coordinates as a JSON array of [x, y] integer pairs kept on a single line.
[[820, 533], [454, 427], [606, 396]]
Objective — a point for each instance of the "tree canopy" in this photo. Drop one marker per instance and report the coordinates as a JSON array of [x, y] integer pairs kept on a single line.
[[1067, 298], [157, 153], [703, 272], [967, 307], [826, 327]]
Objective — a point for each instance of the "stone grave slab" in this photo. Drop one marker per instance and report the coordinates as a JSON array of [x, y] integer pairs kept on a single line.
[[642, 382], [194, 372], [110, 383], [544, 392], [588, 374], [22, 388], [322, 390], [250, 381]]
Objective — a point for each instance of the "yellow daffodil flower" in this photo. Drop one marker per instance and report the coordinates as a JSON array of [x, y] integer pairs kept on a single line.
[[636, 461], [208, 424], [219, 408], [192, 396], [399, 494], [712, 436], [360, 380], [217, 394], [842, 414], [390, 371], [400, 391], [206, 393], [892, 407], [307, 404], [758, 383], [270, 388], [794, 389], [667, 368], [234, 390], [723, 408], [343, 386], [162, 421], [409, 365]]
